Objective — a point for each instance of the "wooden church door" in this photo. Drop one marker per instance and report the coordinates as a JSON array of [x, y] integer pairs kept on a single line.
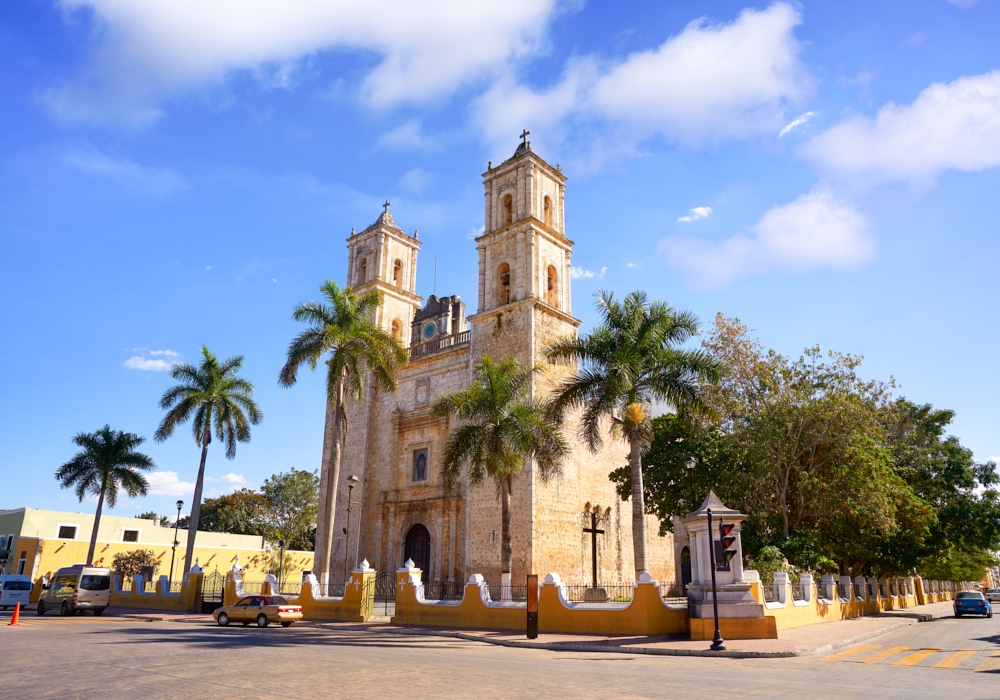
[[418, 548]]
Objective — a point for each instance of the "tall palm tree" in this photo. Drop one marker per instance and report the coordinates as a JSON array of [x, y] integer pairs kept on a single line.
[[629, 361], [212, 392], [344, 335], [108, 461], [502, 428]]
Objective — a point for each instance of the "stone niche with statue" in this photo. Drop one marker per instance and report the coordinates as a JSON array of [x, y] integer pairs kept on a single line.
[[734, 596]]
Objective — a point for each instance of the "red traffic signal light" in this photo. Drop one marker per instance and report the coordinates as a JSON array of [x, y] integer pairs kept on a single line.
[[727, 545], [725, 529]]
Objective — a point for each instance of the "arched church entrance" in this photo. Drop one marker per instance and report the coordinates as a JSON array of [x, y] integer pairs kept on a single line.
[[418, 548]]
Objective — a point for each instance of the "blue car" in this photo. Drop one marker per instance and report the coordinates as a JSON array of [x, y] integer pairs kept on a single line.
[[972, 603]]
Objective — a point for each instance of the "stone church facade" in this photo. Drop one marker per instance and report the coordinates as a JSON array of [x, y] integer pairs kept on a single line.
[[400, 508]]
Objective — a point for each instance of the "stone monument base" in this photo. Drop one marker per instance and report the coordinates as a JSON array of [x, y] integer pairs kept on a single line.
[[734, 627]]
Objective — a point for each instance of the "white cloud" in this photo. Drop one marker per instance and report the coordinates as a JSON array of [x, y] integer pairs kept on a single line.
[[798, 121], [150, 49], [475, 233], [914, 40], [408, 136], [167, 484], [963, 4], [152, 360], [128, 173], [813, 232], [230, 478], [949, 126], [416, 180], [695, 214], [709, 83], [578, 273]]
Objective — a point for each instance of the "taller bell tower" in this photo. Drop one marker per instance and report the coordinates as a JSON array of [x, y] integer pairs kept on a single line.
[[524, 260]]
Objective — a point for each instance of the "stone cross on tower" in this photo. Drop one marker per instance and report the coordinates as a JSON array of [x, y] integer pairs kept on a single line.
[[594, 532], [524, 136], [385, 206]]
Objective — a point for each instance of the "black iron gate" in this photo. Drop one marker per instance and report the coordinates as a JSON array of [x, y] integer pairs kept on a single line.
[[384, 603], [213, 586]]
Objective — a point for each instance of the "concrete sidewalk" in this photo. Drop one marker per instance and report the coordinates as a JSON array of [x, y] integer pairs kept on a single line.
[[802, 641]]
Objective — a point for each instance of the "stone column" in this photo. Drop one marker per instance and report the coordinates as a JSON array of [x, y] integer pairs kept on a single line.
[[482, 279], [520, 285], [488, 223], [531, 265]]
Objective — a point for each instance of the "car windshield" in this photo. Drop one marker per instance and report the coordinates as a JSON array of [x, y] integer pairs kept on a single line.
[[969, 594], [95, 583]]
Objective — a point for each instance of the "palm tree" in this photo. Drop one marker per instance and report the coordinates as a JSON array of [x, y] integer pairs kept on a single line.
[[210, 392], [107, 462], [343, 332], [502, 428], [629, 361]]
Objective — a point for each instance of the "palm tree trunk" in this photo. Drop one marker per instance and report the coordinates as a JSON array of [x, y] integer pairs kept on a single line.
[[196, 504], [324, 545], [97, 525], [321, 552], [505, 548], [638, 502]]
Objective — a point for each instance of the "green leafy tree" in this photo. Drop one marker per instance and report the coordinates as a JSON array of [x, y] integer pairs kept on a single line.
[[501, 428], [148, 515], [109, 461], [129, 564], [630, 361], [292, 502], [344, 336], [211, 394], [242, 512]]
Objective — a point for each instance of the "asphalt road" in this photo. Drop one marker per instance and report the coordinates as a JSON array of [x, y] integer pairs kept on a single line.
[[86, 657]]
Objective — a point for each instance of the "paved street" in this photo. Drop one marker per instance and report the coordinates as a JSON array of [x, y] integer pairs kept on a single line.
[[84, 656]]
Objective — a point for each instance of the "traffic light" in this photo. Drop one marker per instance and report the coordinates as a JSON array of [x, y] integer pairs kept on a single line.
[[725, 548]]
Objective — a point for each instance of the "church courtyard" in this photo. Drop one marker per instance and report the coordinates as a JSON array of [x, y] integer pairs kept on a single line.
[[136, 658]]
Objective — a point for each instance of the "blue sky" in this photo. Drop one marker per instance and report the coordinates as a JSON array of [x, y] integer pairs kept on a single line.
[[178, 174]]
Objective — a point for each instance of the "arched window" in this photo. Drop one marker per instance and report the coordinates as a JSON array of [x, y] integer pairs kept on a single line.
[[397, 330], [397, 273], [508, 210], [503, 278], [547, 211], [552, 288], [362, 271], [417, 548]]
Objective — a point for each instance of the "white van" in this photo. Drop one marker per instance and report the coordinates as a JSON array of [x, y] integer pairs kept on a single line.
[[14, 589], [77, 588]]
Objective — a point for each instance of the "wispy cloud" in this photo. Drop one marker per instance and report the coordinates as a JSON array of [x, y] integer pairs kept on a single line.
[[798, 121], [416, 180], [579, 273], [409, 136], [152, 360], [816, 231], [230, 478], [695, 214], [129, 174]]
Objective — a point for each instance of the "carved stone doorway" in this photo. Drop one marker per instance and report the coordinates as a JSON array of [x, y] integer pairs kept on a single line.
[[418, 548]]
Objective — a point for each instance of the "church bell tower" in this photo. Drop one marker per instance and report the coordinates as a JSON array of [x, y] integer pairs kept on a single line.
[[384, 257], [524, 260]]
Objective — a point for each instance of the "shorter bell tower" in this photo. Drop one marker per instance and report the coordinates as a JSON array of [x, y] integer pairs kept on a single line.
[[384, 257]]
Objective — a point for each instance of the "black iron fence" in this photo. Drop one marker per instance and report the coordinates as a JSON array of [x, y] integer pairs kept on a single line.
[[771, 592], [844, 591], [383, 594], [620, 593], [444, 590], [329, 590], [674, 594]]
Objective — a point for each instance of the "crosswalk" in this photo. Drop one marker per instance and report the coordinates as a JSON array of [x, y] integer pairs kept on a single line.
[[965, 659]]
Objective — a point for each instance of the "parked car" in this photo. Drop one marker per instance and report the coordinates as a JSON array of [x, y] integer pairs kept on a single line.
[[14, 589], [262, 609], [993, 595], [972, 603], [77, 588]]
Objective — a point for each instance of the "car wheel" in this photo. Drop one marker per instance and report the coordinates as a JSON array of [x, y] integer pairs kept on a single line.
[[41, 608], [65, 610], [958, 614], [286, 624], [262, 620], [223, 619]]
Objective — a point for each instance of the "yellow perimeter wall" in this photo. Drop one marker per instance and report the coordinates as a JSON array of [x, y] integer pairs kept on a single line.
[[53, 555]]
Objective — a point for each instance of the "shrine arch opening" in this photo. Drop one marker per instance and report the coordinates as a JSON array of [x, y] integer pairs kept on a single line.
[[418, 549]]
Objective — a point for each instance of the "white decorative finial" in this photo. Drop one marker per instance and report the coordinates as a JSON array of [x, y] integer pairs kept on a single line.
[[409, 564], [364, 564]]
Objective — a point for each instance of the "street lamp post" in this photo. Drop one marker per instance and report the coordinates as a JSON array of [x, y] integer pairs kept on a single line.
[[281, 564], [689, 462], [173, 552], [352, 481], [717, 640]]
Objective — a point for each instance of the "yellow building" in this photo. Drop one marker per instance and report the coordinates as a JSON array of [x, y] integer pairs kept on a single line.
[[39, 542]]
